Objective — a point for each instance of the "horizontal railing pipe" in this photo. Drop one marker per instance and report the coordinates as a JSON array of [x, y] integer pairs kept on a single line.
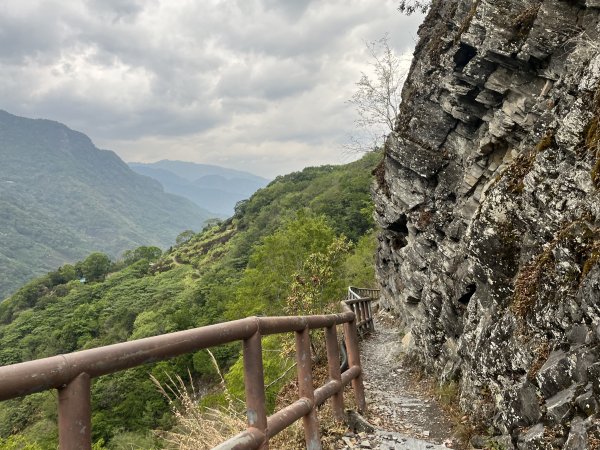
[[356, 301], [329, 389], [71, 373], [286, 324], [39, 375], [288, 415], [249, 439], [350, 374]]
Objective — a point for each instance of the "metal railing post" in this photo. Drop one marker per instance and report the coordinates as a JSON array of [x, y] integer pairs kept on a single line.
[[306, 389], [333, 361], [254, 381], [74, 394], [351, 336], [363, 312], [75, 414]]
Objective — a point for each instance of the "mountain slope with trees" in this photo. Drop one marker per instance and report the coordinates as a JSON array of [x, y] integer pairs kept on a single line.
[[61, 198], [297, 242]]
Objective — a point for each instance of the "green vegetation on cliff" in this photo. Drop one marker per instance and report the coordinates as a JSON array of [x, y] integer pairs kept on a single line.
[[246, 265]]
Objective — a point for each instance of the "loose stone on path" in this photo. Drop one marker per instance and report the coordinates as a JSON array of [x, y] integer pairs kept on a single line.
[[403, 415]]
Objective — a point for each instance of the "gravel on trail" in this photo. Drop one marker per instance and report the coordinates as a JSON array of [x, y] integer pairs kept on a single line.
[[403, 412]]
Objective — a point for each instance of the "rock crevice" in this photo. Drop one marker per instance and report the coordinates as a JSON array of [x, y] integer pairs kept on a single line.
[[490, 212]]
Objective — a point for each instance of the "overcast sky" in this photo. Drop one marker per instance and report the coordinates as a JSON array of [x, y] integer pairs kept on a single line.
[[258, 85]]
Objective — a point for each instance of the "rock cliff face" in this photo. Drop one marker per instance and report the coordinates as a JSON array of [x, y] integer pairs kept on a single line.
[[489, 203]]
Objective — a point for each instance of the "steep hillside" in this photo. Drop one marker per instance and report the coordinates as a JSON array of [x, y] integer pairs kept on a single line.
[[490, 206], [243, 266], [61, 198], [215, 188]]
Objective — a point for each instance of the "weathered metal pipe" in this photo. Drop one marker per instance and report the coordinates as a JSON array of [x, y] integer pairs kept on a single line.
[[254, 381], [333, 364], [354, 301], [250, 439], [71, 374], [350, 374], [288, 415], [306, 389], [34, 376], [351, 336], [328, 390], [75, 414], [285, 324]]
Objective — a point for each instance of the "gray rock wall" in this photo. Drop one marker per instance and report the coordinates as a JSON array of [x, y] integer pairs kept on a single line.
[[489, 204]]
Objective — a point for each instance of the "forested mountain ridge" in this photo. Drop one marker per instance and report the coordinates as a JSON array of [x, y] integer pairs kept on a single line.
[[215, 188], [245, 265], [61, 198]]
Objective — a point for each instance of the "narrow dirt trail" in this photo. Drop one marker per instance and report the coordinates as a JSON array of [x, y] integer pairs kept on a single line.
[[404, 414]]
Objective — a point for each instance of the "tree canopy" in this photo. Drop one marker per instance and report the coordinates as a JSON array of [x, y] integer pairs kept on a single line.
[[242, 266]]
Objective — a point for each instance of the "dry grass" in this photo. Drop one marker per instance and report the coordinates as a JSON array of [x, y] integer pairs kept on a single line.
[[582, 240], [379, 174], [466, 22], [292, 438], [592, 260], [594, 438], [523, 164], [196, 427], [523, 22], [542, 352], [592, 139], [528, 282], [204, 428]]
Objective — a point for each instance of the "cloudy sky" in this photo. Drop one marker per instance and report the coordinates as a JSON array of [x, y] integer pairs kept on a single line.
[[259, 85]]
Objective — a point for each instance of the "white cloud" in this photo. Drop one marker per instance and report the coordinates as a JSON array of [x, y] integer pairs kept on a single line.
[[254, 84]]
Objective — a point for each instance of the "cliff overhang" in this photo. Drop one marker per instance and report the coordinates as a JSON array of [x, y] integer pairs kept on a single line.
[[489, 205]]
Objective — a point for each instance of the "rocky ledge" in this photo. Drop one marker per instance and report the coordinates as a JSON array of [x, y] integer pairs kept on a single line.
[[489, 205]]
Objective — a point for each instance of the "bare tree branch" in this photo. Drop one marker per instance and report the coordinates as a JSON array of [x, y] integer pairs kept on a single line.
[[376, 99]]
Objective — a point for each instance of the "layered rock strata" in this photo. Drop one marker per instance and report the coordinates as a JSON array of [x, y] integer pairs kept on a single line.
[[489, 205]]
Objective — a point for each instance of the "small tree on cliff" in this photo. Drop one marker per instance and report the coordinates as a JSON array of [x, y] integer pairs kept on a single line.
[[377, 98]]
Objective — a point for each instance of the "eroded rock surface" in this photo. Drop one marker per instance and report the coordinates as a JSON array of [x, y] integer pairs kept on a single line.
[[490, 210]]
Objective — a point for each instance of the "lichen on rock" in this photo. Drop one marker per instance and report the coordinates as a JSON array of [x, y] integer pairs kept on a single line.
[[490, 243]]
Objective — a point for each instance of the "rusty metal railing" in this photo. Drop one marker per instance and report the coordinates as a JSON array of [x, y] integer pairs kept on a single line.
[[71, 374], [359, 300]]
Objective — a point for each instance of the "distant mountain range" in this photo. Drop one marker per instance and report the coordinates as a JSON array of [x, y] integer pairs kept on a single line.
[[61, 198], [212, 187]]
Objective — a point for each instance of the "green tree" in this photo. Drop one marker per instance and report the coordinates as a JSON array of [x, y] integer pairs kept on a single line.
[[184, 236], [359, 267], [95, 267], [63, 275], [317, 286], [265, 283], [143, 252]]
